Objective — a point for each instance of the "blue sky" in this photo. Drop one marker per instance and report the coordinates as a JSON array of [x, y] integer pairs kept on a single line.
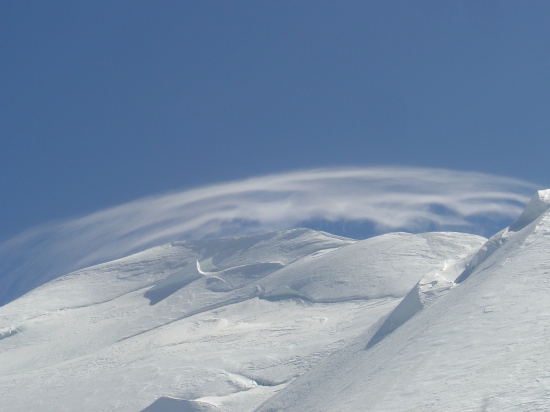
[[105, 102]]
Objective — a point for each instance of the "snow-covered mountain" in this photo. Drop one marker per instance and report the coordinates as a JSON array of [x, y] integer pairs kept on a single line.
[[292, 321], [481, 347]]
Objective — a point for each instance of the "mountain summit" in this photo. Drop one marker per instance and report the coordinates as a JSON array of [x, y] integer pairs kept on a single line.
[[293, 321], [480, 347]]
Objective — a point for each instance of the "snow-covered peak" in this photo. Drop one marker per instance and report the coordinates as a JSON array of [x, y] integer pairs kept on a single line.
[[539, 204], [219, 324], [535, 210], [482, 346]]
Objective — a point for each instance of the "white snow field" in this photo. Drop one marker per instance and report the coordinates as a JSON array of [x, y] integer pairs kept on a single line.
[[293, 321], [483, 346], [221, 325]]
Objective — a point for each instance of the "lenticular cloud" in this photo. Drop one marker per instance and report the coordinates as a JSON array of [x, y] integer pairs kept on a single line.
[[390, 198]]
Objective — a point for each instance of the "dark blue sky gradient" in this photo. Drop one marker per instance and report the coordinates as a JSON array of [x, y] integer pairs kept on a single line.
[[103, 102]]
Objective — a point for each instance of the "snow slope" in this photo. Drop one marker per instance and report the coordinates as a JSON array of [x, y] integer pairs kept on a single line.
[[481, 346], [221, 324]]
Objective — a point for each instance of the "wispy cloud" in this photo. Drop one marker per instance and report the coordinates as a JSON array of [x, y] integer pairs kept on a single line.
[[391, 198]]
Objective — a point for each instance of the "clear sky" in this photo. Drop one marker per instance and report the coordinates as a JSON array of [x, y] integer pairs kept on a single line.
[[104, 102]]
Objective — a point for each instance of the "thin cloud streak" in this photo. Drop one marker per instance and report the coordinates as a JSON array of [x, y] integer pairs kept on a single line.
[[412, 199]]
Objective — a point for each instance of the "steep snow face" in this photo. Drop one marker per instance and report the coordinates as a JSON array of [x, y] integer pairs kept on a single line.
[[208, 325], [539, 204], [534, 210], [482, 346]]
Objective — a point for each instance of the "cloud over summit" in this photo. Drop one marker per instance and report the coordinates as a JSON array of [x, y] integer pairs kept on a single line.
[[391, 198]]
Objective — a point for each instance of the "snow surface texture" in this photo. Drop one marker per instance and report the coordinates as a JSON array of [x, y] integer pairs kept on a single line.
[[218, 325], [482, 346]]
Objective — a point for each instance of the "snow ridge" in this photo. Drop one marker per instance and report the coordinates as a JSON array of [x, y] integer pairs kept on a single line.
[[481, 345], [221, 324], [534, 210]]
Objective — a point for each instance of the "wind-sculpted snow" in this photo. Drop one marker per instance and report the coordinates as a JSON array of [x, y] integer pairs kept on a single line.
[[539, 204], [480, 346], [195, 325], [429, 288], [384, 266]]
